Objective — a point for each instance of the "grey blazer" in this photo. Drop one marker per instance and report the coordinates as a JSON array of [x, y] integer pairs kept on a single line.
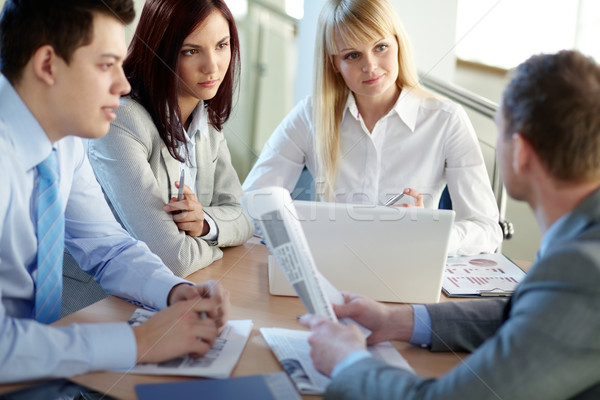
[[138, 176], [543, 344]]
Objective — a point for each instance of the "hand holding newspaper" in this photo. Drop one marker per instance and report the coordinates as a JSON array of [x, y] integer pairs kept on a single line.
[[275, 219]]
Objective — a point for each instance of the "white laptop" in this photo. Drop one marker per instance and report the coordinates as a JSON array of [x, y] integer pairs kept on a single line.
[[387, 253]]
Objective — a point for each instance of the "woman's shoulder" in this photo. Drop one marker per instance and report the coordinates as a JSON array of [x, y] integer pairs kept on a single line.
[[129, 108], [434, 102], [302, 110], [134, 118]]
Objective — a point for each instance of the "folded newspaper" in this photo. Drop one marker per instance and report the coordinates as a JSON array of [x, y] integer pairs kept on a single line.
[[293, 352], [275, 219], [217, 363]]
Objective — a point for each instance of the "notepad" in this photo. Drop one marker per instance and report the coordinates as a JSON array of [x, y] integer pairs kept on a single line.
[[481, 275], [270, 386]]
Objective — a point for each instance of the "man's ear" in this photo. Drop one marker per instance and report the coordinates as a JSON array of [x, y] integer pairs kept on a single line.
[[522, 153], [44, 68]]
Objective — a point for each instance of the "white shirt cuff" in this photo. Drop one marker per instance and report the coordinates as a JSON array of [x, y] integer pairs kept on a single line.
[[213, 231]]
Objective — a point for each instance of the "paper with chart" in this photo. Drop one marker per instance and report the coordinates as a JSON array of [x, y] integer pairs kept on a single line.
[[217, 363], [275, 219], [293, 353], [481, 275]]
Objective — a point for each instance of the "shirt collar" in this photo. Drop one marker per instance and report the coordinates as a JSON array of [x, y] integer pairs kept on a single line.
[[406, 107], [31, 142], [571, 224], [199, 123]]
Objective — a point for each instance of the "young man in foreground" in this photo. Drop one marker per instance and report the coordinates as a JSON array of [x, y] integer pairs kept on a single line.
[[62, 79]]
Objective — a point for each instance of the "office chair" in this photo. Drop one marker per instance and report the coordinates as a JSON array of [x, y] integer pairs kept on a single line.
[[506, 226]]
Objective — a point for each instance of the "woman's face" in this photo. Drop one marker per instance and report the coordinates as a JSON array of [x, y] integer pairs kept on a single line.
[[204, 58], [370, 69]]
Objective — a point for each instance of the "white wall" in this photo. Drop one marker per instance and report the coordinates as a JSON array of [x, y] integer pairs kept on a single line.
[[526, 241]]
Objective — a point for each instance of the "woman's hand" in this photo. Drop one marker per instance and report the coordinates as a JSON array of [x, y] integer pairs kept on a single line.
[[187, 213], [415, 194]]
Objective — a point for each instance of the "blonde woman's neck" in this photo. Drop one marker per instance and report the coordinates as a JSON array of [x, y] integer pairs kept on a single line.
[[373, 108]]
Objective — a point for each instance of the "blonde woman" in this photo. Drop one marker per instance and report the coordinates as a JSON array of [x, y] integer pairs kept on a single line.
[[370, 131]]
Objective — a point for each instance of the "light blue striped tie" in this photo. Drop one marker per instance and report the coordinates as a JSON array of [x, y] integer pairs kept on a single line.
[[51, 239]]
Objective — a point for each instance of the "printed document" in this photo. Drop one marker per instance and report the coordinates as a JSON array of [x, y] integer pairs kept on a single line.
[[293, 352], [217, 363], [481, 275]]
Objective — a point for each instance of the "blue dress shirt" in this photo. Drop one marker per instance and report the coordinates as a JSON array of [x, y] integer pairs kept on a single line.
[[123, 266]]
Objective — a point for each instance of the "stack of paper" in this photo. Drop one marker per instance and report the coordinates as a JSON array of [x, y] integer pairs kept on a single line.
[[217, 363], [481, 275]]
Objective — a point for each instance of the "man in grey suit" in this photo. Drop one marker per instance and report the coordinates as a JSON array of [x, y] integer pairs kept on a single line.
[[544, 343]]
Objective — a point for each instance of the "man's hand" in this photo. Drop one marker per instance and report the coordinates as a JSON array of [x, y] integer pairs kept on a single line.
[[180, 329], [331, 342], [208, 290], [384, 322]]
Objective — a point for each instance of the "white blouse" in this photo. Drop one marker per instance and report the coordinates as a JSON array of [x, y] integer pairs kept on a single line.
[[423, 143]]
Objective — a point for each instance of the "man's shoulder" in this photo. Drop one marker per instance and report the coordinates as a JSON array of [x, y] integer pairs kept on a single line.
[[133, 121], [9, 159], [575, 263]]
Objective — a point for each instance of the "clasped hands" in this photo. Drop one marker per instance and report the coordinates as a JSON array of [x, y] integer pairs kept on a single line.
[[189, 325]]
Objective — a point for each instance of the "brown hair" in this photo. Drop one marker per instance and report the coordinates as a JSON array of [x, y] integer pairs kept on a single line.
[[66, 25], [152, 60], [553, 100]]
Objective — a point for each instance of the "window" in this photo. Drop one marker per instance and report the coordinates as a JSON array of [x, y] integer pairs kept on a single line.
[[504, 33]]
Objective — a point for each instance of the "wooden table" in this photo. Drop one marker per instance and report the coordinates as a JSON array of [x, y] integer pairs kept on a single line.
[[243, 271]]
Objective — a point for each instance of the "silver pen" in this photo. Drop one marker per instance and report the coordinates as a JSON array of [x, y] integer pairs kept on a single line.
[[181, 180], [394, 199]]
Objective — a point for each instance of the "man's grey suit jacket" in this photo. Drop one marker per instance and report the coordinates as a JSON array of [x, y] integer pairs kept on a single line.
[[138, 175], [543, 344]]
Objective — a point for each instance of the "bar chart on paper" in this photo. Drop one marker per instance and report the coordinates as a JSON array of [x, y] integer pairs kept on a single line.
[[481, 275]]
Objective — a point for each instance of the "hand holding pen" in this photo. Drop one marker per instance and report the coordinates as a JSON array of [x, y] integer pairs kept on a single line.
[[187, 211], [407, 192], [181, 185]]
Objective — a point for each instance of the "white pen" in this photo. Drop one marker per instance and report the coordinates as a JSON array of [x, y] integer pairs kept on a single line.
[[181, 179], [394, 199]]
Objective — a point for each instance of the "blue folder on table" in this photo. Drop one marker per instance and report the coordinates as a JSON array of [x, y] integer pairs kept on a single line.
[[270, 386]]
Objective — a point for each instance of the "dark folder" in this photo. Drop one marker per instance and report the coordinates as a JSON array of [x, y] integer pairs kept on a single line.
[[271, 386]]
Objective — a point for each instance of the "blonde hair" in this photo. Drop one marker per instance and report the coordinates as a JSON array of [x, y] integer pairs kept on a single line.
[[357, 21]]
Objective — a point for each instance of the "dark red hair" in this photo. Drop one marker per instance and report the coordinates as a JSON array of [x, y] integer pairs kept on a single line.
[[152, 62]]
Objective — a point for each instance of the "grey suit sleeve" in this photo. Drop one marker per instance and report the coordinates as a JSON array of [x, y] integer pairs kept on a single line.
[[125, 162], [463, 326], [549, 348]]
